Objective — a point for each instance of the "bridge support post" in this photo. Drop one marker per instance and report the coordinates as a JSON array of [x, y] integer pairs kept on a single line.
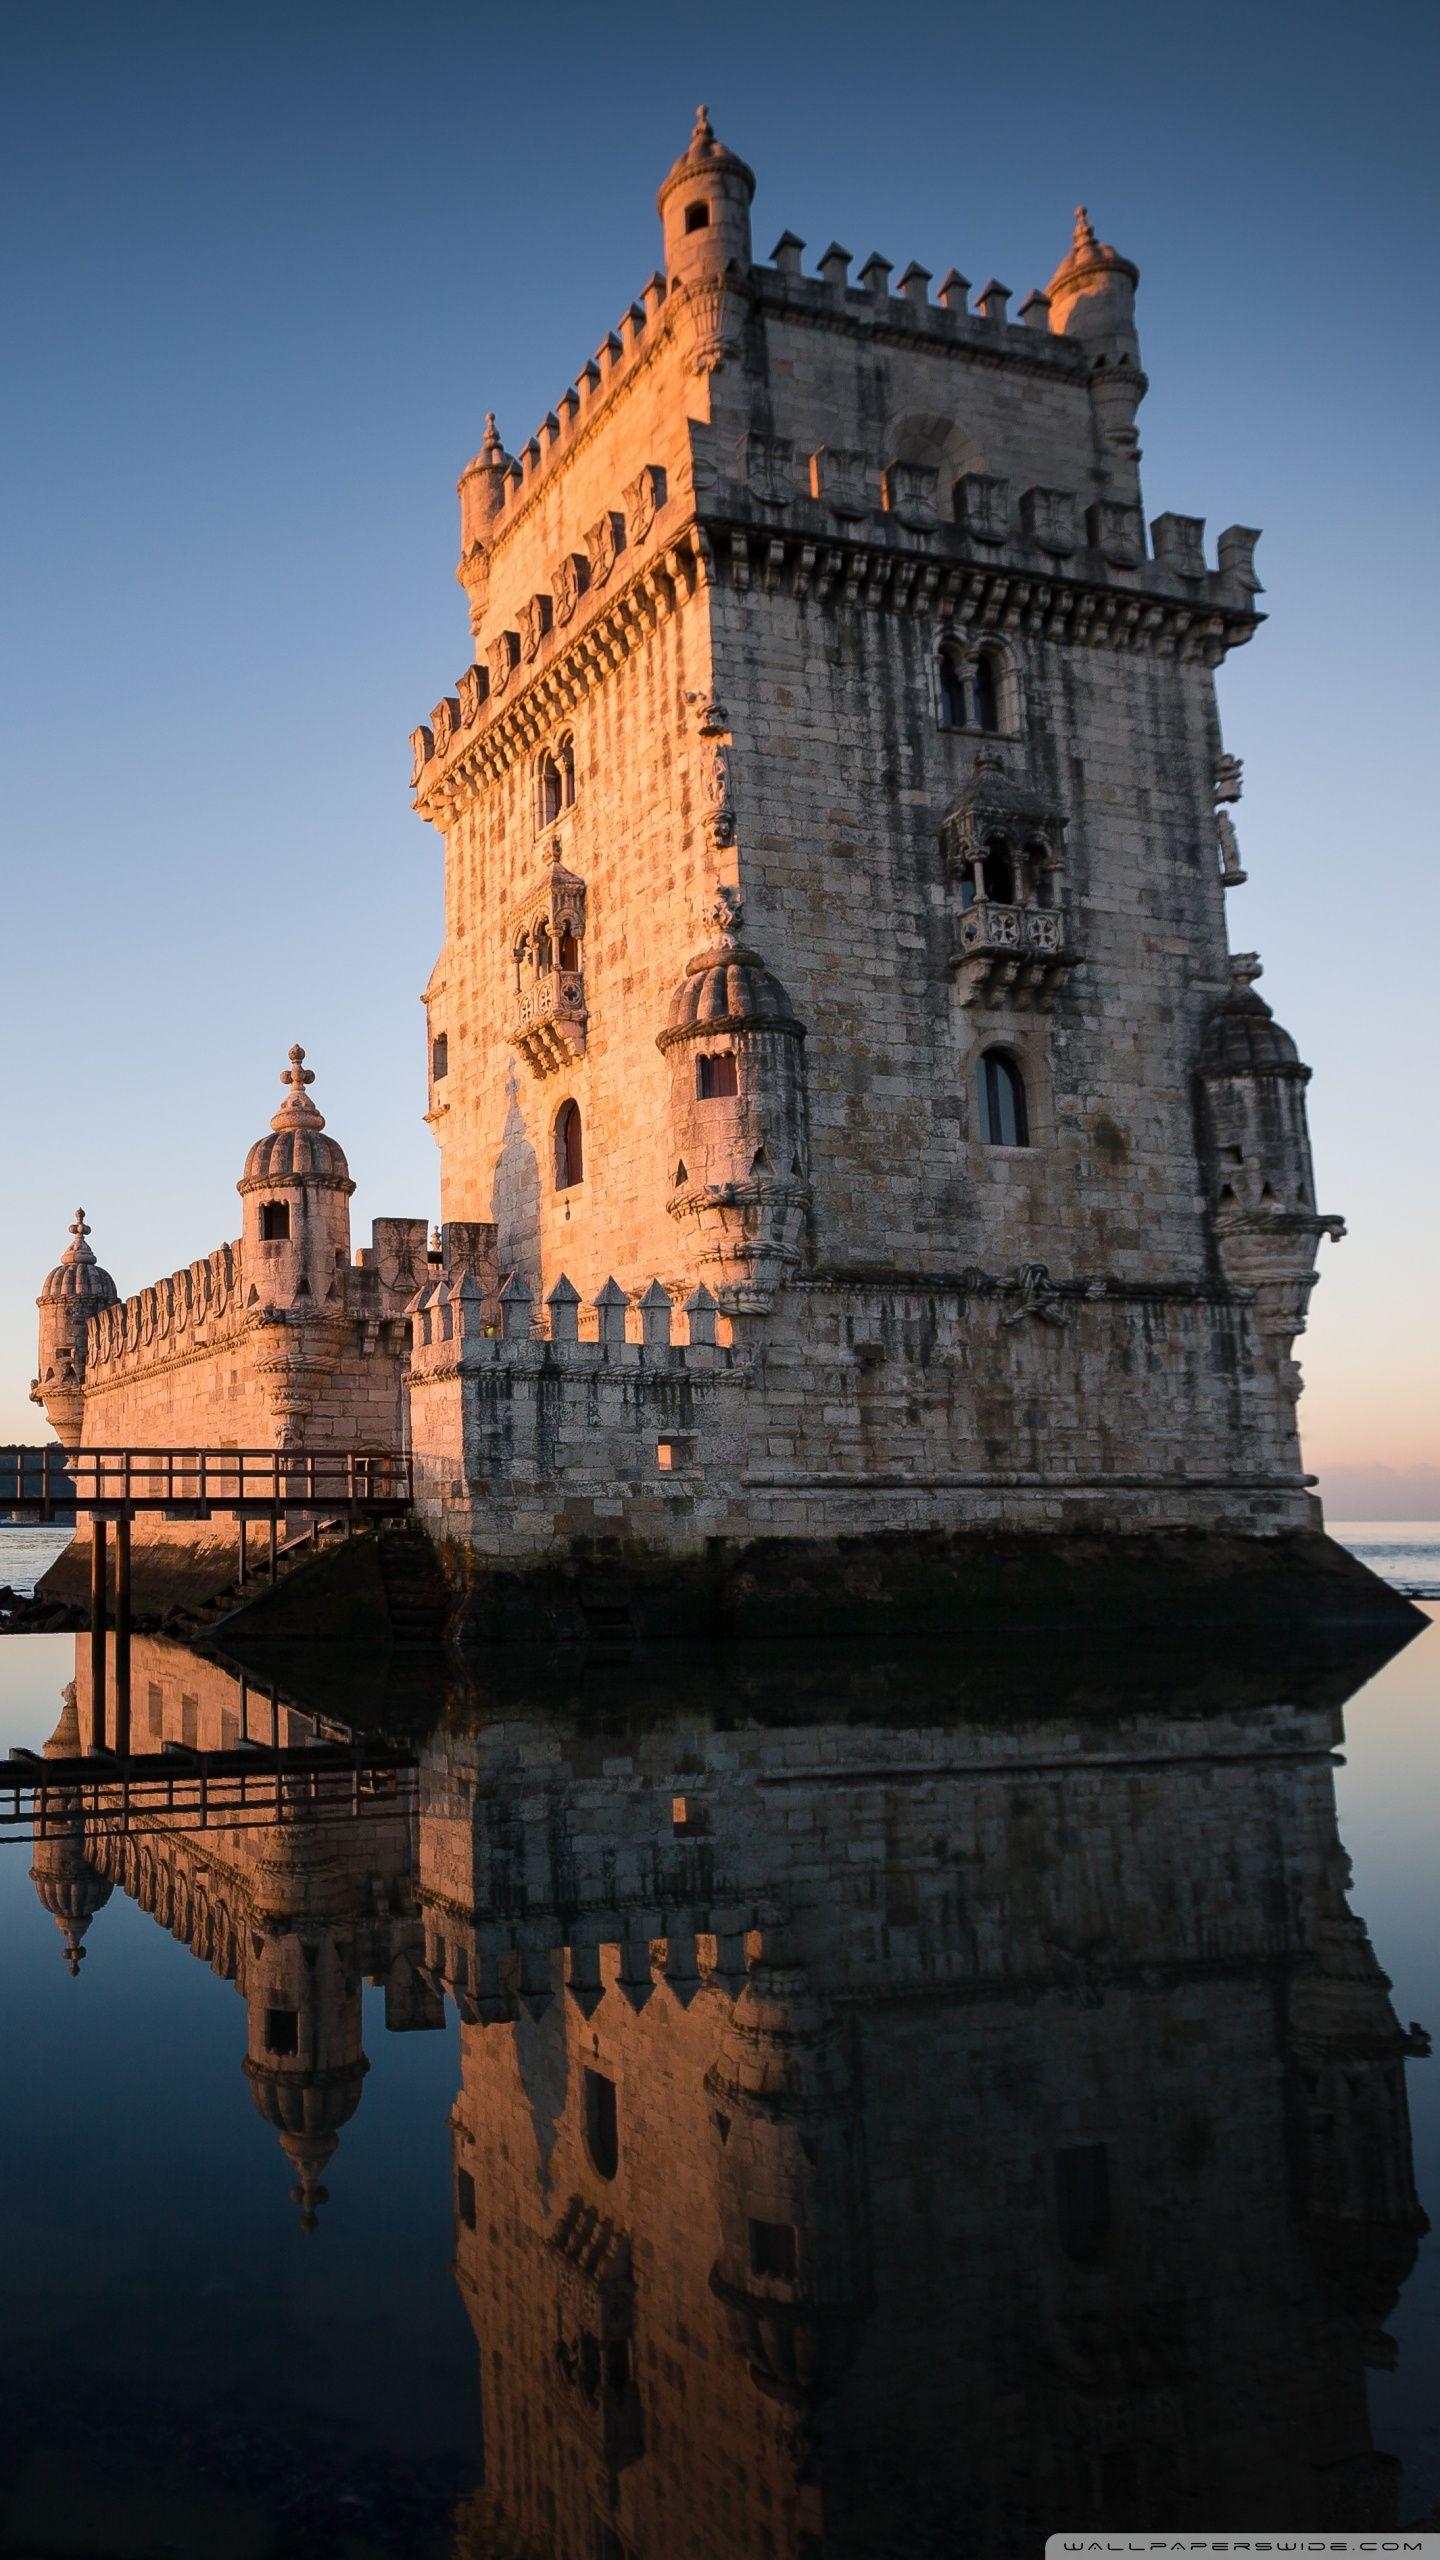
[[97, 1631], [122, 1633]]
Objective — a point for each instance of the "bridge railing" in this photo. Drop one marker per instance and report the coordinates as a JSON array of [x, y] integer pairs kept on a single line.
[[56, 1482]]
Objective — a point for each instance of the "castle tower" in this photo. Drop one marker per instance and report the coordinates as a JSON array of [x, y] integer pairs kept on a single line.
[[296, 1190], [73, 1292], [829, 602]]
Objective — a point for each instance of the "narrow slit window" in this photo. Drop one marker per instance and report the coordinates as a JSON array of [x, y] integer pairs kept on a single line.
[[602, 2124], [987, 690], [465, 2198], [439, 1056], [569, 1148]]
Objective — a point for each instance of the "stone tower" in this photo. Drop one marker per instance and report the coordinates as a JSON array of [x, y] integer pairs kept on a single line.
[[835, 871], [73, 1292]]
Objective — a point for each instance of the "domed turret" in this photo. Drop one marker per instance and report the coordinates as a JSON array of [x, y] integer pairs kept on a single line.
[[1092, 297], [66, 1884], [306, 2065], [1257, 1159], [704, 205], [739, 1138], [482, 487], [74, 1291], [793, 2270], [296, 1189]]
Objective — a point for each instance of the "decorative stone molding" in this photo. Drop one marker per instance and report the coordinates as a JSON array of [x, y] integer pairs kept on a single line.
[[547, 942]]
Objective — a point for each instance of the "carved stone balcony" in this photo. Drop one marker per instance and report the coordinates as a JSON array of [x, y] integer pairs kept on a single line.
[[549, 1024], [1011, 954]]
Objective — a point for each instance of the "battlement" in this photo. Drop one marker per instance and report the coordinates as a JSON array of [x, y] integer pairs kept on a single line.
[[459, 1323], [192, 1309]]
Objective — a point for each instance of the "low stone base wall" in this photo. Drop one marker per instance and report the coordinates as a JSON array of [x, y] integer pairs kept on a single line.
[[977, 1584]]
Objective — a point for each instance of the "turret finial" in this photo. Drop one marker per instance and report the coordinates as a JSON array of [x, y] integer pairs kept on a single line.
[[1084, 237], [297, 1109], [297, 1073], [490, 441], [704, 131]]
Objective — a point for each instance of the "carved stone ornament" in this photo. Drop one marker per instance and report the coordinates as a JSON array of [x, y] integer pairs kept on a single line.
[[444, 721], [570, 577], [770, 469], [711, 717], [714, 311], [604, 542], [534, 619], [1229, 783], [911, 495], [1037, 1296], [840, 478], [422, 748], [1048, 516], [502, 658], [982, 506], [717, 791], [471, 689], [1180, 544], [726, 910], [644, 495], [1117, 532]]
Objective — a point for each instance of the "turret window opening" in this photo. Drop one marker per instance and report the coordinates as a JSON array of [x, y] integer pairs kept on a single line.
[[697, 217], [569, 1148], [772, 2250], [1004, 1116], [976, 689], [275, 1222], [439, 1056], [282, 2030], [717, 1075]]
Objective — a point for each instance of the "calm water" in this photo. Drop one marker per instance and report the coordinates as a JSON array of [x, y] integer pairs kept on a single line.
[[750, 2108]]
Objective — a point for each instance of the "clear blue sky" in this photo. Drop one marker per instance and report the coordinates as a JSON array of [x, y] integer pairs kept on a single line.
[[264, 271]]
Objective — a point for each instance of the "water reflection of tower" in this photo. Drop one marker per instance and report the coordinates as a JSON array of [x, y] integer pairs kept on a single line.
[[1051, 2162], [71, 1889], [297, 1908]]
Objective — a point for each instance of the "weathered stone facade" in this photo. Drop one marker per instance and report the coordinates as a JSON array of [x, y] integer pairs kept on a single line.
[[851, 1116], [823, 669]]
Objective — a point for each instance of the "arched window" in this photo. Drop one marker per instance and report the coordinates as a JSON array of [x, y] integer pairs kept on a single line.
[[275, 1222], [986, 690], [569, 1148], [697, 217], [569, 952], [439, 1056], [551, 789], [954, 710], [717, 1075], [602, 2124], [1004, 1119]]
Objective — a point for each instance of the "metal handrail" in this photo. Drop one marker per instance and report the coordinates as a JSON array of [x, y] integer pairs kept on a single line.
[[52, 1478]]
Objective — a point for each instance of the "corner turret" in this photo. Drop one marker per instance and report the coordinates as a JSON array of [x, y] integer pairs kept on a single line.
[[1091, 297], [704, 206], [74, 1291], [482, 486], [66, 1883]]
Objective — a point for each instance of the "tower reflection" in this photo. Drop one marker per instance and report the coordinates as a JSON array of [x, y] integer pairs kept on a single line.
[[901, 2109]]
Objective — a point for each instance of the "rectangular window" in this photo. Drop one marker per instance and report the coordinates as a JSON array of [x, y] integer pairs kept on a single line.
[[465, 2198], [772, 2250], [717, 1075], [282, 2030], [157, 1710], [439, 1056], [190, 1723]]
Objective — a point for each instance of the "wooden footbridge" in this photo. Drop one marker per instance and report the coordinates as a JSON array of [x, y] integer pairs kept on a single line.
[[257, 1488]]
